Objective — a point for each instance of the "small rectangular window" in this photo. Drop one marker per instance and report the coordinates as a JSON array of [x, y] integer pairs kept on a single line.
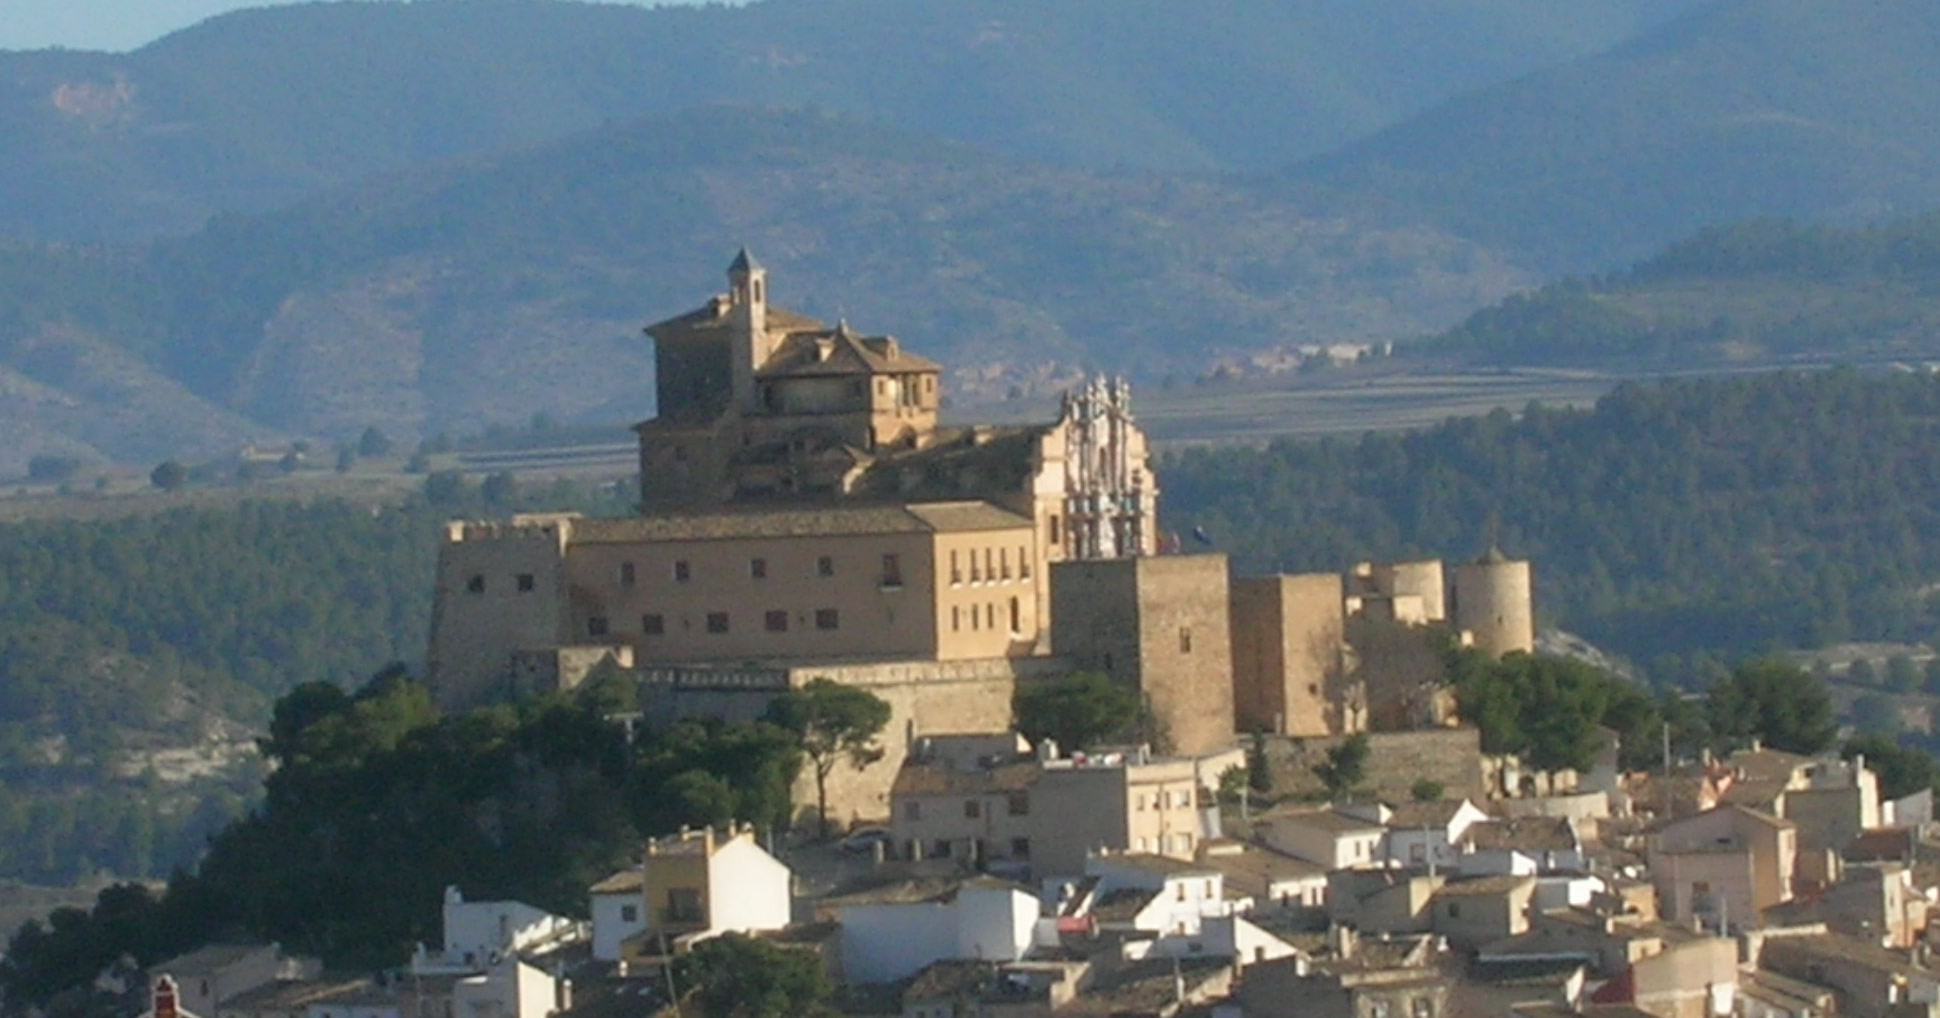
[[758, 568], [777, 621], [653, 625], [956, 618], [1016, 616], [717, 622], [1003, 563], [596, 625], [526, 583], [681, 571], [1020, 848], [626, 574], [1055, 537], [1185, 639], [629, 913], [990, 615], [892, 569], [476, 584], [1023, 564], [827, 618], [825, 566], [940, 850], [1020, 803], [956, 571], [972, 809], [976, 574]]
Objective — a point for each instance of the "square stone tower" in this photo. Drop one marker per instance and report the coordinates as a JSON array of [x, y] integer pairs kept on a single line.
[[1287, 654], [1160, 625]]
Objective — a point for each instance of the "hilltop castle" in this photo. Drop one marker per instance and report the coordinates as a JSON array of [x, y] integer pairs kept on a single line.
[[804, 514]]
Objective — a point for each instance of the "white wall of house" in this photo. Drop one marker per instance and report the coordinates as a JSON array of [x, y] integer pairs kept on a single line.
[[510, 989], [885, 942], [1417, 846], [747, 889], [476, 930], [994, 921], [1499, 862], [1324, 845], [615, 918], [1227, 936]]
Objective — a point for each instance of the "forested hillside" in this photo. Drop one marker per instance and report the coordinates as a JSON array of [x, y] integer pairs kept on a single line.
[[1753, 291], [1727, 516], [1739, 109], [257, 109], [518, 284], [139, 658]]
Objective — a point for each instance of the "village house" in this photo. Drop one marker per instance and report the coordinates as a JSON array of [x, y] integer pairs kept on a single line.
[[1419, 833], [1523, 846], [1480, 910], [689, 886], [1868, 981], [986, 798], [893, 927], [1326, 837], [1723, 866], [478, 934]]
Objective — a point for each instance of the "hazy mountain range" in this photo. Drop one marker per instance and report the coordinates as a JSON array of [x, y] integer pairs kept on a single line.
[[441, 214]]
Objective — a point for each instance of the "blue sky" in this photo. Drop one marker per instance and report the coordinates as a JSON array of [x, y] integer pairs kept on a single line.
[[110, 24]]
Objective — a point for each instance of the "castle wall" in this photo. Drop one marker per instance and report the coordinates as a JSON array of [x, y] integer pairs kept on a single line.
[[1493, 602], [1450, 757], [500, 588], [924, 697], [708, 600], [1287, 645], [1159, 625]]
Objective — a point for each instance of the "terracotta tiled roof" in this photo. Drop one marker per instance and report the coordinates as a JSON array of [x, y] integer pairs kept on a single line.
[[805, 521], [838, 351], [1528, 834]]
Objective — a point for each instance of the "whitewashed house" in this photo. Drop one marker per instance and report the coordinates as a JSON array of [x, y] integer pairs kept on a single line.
[[690, 886], [1327, 838], [896, 929], [1421, 833], [480, 934]]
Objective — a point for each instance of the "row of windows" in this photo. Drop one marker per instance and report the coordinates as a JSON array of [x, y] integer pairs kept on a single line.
[[943, 848], [891, 574], [984, 616], [718, 623], [1161, 800], [1016, 804], [524, 583], [992, 565]]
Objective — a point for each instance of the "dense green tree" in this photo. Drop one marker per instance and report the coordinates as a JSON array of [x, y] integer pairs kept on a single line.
[[1876, 714], [1344, 767], [1082, 710], [373, 443], [1902, 769], [169, 475], [1776, 702], [1863, 673], [1551, 711], [1902, 675], [1259, 767], [835, 724], [736, 976]]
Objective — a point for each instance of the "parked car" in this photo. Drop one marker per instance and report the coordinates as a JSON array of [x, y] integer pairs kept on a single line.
[[864, 840]]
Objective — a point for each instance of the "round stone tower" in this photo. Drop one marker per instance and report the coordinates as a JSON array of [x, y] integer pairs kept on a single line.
[[1422, 579], [1494, 605]]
